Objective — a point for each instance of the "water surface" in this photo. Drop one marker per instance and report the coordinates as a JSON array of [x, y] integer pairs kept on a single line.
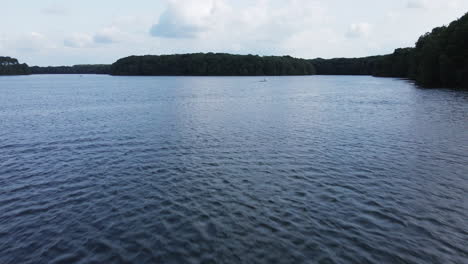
[[101, 169]]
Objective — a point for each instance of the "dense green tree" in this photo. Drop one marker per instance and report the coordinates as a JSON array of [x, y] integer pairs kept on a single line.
[[76, 69], [216, 64], [442, 56], [11, 66]]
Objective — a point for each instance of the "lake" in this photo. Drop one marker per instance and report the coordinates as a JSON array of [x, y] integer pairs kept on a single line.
[[305, 169]]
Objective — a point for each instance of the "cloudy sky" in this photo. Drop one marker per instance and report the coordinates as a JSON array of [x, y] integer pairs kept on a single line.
[[65, 32]]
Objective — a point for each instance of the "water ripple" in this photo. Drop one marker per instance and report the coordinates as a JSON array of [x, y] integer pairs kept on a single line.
[[198, 170]]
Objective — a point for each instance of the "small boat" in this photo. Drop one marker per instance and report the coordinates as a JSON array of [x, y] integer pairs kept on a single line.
[[264, 80]]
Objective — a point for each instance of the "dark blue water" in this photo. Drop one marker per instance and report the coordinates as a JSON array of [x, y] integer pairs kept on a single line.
[[100, 169]]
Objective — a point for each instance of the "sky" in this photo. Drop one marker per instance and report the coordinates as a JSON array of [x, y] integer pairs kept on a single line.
[[65, 32]]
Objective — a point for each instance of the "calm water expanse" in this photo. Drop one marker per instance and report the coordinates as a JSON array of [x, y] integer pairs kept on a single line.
[[101, 169]]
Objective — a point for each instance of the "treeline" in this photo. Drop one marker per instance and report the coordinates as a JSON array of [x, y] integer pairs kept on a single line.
[[440, 58], [76, 69], [392, 65], [11, 66], [212, 64]]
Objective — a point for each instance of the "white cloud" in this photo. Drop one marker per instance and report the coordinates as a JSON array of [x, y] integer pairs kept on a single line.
[[301, 28], [454, 4], [185, 19], [391, 15], [55, 10], [195, 18], [439, 6], [263, 27], [359, 30], [416, 4], [79, 40], [108, 35], [31, 42], [133, 24]]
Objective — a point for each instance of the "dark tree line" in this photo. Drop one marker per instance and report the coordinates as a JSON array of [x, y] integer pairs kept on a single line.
[[392, 65], [76, 69], [440, 58], [214, 64], [11, 66]]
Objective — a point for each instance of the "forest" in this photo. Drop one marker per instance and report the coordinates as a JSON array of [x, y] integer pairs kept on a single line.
[[214, 64], [11, 66], [76, 69], [392, 65]]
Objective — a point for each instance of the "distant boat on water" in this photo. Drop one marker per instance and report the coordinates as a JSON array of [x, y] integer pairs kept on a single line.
[[264, 80]]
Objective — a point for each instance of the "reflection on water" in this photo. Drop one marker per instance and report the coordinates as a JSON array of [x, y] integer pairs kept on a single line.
[[325, 169]]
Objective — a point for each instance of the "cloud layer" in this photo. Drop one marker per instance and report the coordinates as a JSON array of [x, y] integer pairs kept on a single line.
[[357, 30], [185, 19], [263, 26], [416, 4], [55, 10], [76, 33]]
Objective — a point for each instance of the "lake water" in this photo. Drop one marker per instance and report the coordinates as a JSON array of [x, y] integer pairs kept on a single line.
[[326, 169]]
